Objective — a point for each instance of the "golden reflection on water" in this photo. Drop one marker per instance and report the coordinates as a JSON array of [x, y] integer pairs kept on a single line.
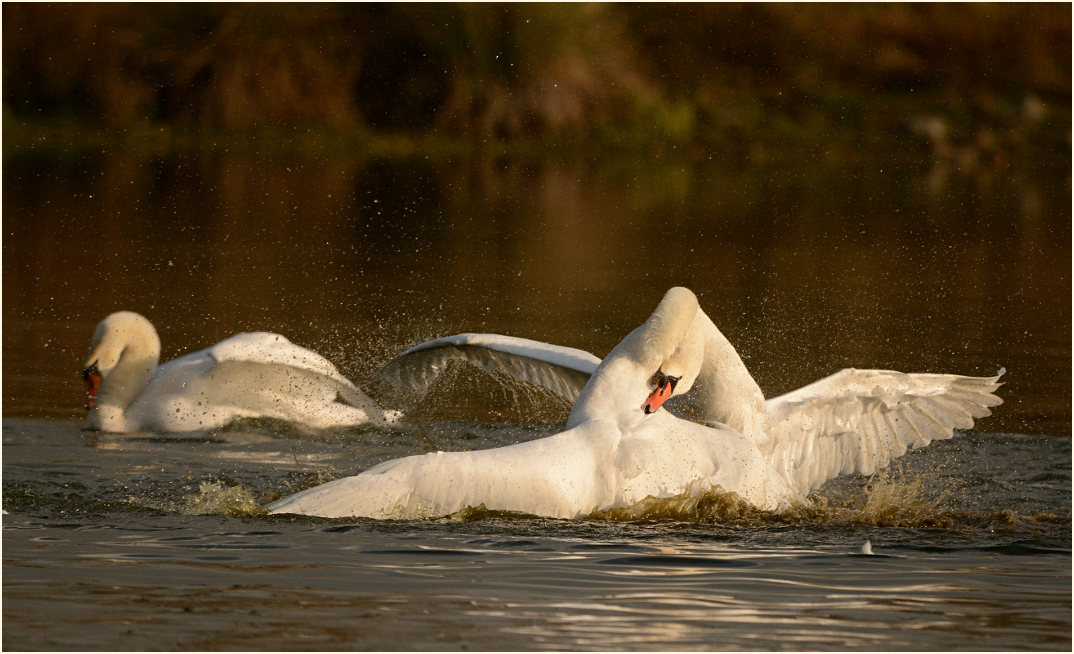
[[806, 269]]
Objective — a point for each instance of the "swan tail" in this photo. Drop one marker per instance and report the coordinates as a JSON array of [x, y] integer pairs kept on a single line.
[[856, 421]]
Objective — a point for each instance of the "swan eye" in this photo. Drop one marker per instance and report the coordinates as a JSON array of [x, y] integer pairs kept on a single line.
[[91, 370], [660, 379]]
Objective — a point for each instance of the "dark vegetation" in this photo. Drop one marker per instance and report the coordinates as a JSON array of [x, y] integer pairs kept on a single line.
[[996, 78]]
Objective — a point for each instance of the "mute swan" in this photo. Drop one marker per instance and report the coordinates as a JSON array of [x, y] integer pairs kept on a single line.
[[619, 447], [246, 376]]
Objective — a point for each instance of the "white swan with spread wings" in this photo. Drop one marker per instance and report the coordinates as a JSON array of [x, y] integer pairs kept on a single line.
[[622, 446]]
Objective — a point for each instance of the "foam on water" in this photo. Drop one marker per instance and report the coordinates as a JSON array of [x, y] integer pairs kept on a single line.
[[889, 499]]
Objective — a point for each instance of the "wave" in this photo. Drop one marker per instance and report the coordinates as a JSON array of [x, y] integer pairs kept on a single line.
[[213, 497]]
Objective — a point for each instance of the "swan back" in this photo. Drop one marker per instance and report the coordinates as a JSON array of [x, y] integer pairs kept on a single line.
[[274, 349]]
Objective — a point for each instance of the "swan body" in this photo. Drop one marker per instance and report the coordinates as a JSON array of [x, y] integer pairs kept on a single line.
[[249, 375], [623, 445]]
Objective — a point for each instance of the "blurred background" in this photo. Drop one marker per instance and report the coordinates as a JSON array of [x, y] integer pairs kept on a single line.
[[876, 185]]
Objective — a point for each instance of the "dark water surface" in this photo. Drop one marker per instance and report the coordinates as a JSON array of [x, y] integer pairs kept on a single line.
[[156, 541], [807, 269], [146, 541]]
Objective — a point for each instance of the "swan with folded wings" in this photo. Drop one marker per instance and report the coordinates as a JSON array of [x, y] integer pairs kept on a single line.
[[621, 444], [249, 375]]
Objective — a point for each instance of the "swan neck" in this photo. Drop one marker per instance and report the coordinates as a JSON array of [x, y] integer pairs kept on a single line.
[[127, 380], [728, 391], [613, 385], [128, 359]]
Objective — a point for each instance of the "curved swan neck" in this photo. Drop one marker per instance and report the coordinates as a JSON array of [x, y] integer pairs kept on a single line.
[[126, 349], [662, 335], [613, 383], [620, 384], [679, 340], [727, 391]]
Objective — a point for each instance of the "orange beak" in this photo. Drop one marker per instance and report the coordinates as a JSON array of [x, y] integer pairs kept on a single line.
[[660, 395], [92, 376]]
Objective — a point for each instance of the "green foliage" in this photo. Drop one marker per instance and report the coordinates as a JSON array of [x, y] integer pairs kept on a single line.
[[625, 75]]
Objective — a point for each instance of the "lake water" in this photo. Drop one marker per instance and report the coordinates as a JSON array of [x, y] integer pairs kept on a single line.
[[156, 541]]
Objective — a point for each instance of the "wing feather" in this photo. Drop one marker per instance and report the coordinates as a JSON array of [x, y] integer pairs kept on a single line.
[[921, 428], [562, 370], [274, 349], [858, 420]]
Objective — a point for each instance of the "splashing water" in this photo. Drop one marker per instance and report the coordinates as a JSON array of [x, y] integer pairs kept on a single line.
[[891, 498], [213, 497]]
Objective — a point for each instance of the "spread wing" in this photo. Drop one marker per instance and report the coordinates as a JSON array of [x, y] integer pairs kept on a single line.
[[855, 421], [562, 370]]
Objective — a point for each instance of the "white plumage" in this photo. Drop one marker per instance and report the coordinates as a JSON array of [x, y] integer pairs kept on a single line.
[[250, 375], [615, 453]]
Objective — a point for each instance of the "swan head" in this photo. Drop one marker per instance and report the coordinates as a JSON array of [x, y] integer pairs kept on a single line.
[[673, 347], [91, 375], [122, 336]]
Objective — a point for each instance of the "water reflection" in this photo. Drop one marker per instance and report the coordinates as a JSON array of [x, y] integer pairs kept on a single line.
[[807, 269]]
